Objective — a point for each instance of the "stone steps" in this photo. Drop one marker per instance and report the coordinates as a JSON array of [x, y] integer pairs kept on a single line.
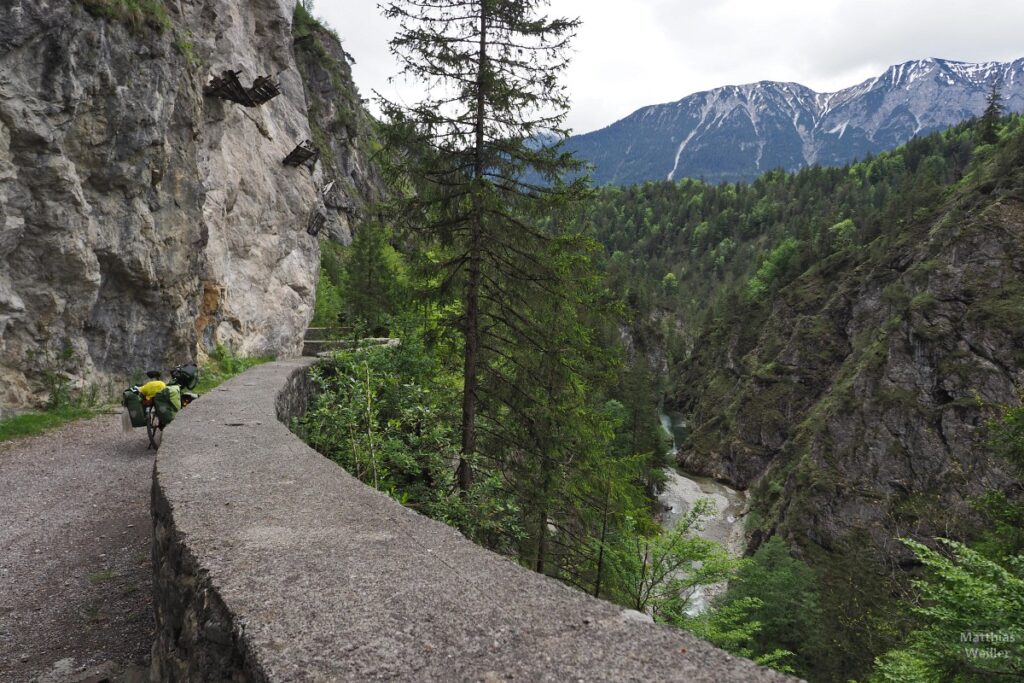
[[314, 347], [315, 333]]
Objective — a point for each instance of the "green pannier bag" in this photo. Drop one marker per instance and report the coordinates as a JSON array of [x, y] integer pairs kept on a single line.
[[167, 404], [133, 402]]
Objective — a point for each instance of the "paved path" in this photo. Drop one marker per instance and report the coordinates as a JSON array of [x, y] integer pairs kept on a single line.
[[75, 576]]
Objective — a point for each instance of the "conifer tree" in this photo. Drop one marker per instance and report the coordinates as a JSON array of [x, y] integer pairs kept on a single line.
[[491, 68], [372, 281], [990, 118]]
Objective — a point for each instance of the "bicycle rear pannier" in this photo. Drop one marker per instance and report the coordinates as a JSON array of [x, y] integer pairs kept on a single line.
[[133, 402], [167, 404], [186, 375]]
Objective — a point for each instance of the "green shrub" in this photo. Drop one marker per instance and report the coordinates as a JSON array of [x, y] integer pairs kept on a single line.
[[781, 594], [303, 21], [842, 234], [772, 268], [328, 307], [222, 365], [37, 422], [134, 13], [972, 611], [187, 50], [374, 282], [388, 416]]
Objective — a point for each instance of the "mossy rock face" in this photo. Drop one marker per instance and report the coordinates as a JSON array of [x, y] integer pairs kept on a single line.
[[1002, 309], [339, 125], [137, 14]]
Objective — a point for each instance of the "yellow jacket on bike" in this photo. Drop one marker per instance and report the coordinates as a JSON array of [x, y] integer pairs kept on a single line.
[[152, 388]]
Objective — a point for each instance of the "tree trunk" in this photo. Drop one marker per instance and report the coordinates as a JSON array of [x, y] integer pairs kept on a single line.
[[600, 549], [542, 541], [472, 322]]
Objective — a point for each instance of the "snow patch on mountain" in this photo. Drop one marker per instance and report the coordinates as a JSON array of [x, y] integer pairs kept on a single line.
[[737, 131]]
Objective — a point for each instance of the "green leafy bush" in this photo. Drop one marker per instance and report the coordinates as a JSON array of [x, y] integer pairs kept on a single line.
[[772, 268], [188, 51], [973, 613], [328, 307], [135, 13], [373, 281], [386, 414], [842, 234], [660, 572], [222, 365], [780, 593]]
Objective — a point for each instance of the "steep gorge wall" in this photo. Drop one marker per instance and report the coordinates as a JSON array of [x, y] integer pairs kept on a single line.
[[142, 223], [854, 403], [341, 128], [858, 410]]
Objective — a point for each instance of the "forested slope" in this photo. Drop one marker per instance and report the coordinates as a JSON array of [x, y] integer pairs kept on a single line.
[[837, 339]]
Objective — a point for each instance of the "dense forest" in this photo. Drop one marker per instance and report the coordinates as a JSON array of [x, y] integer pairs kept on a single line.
[[843, 342], [838, 339], [690, 324]]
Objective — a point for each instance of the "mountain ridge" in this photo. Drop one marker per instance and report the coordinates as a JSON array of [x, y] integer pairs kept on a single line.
[[737, 132]]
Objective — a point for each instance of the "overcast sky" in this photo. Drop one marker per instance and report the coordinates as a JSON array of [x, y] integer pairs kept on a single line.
[[639, 52]]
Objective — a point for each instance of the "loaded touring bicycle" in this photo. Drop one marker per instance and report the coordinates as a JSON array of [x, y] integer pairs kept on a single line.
[[153, 405]]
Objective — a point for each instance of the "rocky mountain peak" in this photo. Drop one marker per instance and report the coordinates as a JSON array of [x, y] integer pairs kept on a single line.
[[737, 132]]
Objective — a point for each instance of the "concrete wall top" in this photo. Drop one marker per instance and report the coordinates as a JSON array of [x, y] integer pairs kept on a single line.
[[274, 564]]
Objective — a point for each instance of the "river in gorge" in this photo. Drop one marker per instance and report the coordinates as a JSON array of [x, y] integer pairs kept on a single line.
[[683, 489]]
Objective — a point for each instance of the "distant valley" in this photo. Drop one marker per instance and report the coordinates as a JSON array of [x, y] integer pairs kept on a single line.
[[738, 132]]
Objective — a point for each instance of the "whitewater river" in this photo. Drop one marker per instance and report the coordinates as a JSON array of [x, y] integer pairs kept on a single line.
[[725, 527]]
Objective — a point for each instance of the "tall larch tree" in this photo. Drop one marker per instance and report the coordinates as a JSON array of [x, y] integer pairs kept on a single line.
[[494, 102]]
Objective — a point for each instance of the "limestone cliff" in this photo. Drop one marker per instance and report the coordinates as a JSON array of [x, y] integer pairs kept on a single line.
[[340, 127], [142, 222]]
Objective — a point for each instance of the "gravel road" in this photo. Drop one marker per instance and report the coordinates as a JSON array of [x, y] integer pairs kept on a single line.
[[75, 576]]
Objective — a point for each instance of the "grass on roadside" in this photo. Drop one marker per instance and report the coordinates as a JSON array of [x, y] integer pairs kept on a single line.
[[102, 576], [30, 424], [223, 365]]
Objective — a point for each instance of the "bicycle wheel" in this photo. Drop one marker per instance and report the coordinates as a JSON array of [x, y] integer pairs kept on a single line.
[[153, 430]]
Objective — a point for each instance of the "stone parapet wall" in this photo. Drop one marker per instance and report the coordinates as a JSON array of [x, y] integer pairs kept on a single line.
[[271, 563], [294, 397], [195, 636]]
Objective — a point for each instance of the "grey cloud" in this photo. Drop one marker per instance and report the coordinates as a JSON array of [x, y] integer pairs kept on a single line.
[[653, 51]]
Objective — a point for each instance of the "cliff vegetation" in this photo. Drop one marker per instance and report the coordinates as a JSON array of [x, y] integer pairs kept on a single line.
[[837, 338]]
